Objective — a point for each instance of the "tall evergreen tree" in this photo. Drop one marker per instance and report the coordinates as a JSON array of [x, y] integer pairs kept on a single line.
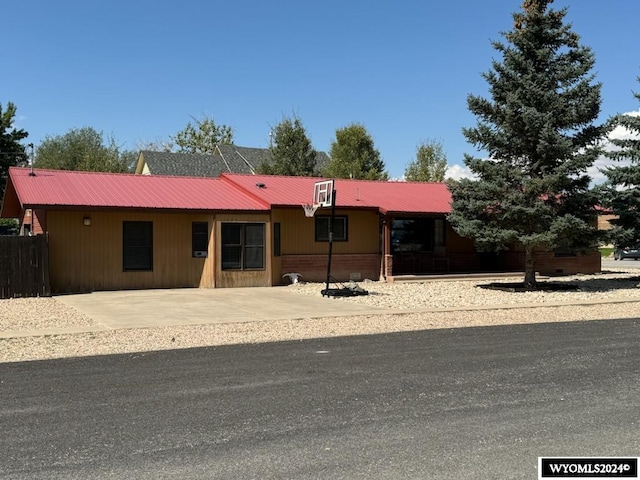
[[430, 164], [291, 151], [537, 128], [12, 152], [353, 155], [623, 185]]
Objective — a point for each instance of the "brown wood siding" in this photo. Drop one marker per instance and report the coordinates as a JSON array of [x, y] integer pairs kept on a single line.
[[276, 269], [456, 243], [86, 258], [298, 232], [244, 278]]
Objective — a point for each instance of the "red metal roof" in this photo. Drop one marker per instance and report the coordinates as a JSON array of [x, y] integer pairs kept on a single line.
[[388, 197], [63, 188]]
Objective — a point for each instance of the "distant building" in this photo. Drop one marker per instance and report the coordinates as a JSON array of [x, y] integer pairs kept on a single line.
[[225, 159]]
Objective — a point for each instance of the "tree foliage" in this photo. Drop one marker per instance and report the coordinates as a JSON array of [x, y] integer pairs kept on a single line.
[[202, 137], [12, 152], [537, 128], [82, 149], [430, 164], [622, 190], [353, 155], [291, 151]]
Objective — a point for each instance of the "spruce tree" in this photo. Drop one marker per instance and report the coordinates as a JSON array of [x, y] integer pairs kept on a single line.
[[532, 191], [623, 186]]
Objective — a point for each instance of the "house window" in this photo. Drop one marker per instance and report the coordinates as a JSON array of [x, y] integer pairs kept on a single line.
[[199, 239], [137, 246], [242, 246], [340, 224], [276, 240], [416, 234], [438, 233]]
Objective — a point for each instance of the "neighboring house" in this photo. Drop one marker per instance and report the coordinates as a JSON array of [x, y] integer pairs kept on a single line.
[[225, 159], [118, 231], [604, 218]]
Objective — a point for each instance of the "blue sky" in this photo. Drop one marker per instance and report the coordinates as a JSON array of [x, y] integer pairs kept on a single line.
[[140, 69]]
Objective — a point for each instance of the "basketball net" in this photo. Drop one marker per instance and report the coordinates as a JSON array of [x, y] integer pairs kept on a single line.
[[310, 210]]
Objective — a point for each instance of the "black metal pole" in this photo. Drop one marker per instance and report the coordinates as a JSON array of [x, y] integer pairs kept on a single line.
[[333, 215]]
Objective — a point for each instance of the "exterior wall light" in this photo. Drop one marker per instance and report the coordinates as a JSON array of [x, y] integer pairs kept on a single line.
[[86, 221]]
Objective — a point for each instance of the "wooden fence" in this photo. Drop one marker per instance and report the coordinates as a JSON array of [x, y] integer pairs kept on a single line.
[[24, 267]]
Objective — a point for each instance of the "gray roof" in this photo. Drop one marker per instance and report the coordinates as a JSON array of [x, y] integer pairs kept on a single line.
[[232, 159]]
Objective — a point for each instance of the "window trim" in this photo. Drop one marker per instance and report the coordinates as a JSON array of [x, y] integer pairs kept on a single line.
[[243, 247], [318, 231]]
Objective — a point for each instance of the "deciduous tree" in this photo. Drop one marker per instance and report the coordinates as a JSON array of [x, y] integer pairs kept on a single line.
[[82, 149], [538, 131], [430, 164], [202, 137]]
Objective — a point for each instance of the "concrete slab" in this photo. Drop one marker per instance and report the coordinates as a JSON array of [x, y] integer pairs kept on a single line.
[[197, 306]]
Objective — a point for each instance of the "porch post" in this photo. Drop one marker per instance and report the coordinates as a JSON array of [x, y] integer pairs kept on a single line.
[[387, 256]]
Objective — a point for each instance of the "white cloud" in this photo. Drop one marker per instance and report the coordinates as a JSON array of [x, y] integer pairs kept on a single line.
[[457, 172], [621, 133], [618, 133]]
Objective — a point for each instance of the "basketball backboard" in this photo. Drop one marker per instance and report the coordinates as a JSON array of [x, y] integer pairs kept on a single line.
[[323, 193]]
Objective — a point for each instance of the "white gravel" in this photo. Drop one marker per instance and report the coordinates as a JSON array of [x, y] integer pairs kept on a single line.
[[456, 294], [442, 304]]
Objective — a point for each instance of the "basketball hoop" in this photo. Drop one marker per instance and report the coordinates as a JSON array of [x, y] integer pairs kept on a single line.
[[310, 210]]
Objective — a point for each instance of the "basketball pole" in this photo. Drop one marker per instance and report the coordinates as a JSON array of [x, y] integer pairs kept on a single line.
[[333, 215]]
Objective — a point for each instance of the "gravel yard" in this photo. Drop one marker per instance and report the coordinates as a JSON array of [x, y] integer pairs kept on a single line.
[[456, 294], [432, 304]]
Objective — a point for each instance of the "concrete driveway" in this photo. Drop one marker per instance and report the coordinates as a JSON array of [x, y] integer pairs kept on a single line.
[[198, 306]]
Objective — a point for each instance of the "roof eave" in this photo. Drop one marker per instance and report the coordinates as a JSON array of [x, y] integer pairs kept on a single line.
[[103, 208]]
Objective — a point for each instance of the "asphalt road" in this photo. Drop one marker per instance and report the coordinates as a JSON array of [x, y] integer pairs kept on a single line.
[[441, 404], [611, 264]]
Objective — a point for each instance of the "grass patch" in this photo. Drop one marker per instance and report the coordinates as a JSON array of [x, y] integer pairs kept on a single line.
[[606, 252]]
